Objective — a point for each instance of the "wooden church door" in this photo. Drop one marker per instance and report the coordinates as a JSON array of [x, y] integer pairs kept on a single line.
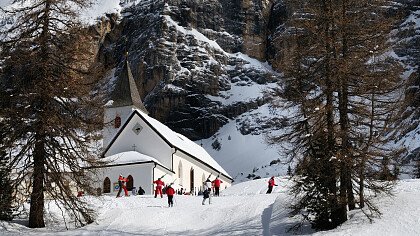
[[107, 185], [130, 183]]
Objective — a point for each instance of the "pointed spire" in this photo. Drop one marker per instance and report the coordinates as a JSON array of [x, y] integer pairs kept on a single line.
[[126, 92]]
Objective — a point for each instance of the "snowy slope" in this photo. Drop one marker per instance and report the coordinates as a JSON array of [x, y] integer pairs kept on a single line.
[[243, 209], [241, 155]]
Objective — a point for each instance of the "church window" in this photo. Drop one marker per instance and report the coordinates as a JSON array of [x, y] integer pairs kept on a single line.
[[117, 122], [107, 185], [192, 180], [180, 173], [137, 128]]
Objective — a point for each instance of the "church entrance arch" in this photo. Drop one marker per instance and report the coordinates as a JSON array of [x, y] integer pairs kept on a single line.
[[130, 183], [192, 181], [107, 185]]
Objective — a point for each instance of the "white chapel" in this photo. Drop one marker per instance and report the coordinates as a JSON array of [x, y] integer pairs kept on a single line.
[[143, 149]]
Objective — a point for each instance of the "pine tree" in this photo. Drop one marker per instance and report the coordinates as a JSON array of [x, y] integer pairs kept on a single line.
[[343, 90], [50, 119], [6, 210], [416, 173]]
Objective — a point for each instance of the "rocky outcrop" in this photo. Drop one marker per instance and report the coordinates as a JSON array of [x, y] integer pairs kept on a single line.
[[189, 56], [184, 53]]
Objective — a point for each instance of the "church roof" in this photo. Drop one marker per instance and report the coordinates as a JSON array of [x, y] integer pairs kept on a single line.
[[129, 157], [126, 92], [184, 144]]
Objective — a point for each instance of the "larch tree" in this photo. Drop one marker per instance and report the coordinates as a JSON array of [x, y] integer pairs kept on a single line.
[[343, 90], [50, 119]]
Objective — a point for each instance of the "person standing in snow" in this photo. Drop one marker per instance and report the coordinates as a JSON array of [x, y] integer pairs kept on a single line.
[[271, 184], [159, 185], [207, 186], [206, 194], [170, 192], [141, 191], [121, 185], [217, 183]]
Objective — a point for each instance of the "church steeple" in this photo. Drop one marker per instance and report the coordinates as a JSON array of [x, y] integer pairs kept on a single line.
[[126, 92]]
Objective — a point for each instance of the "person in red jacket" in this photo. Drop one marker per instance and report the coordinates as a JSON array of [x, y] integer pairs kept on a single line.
[[271, 184], [170, 192], [121, 185], [217, 183], [159, 185]]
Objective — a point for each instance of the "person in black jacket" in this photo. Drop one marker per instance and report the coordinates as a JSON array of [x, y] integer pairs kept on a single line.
[[141, 191], [206, 194]]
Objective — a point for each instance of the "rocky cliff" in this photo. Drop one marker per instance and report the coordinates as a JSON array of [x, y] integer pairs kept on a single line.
[[184, 54], [200, 64]]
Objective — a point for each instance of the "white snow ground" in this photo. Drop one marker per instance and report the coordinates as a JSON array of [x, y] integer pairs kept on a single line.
[[243, 209]]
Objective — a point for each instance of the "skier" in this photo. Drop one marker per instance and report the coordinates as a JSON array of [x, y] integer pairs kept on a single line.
[[121, 185], [206, 194], [217, 183], [170, 192], [141, 191], [207, 187], [271, 184], [159, 184]]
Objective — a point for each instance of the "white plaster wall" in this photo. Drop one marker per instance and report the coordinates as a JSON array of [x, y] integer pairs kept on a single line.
[[200, 170], [167, 179], [109, 130], [141, 173], [146, 142]]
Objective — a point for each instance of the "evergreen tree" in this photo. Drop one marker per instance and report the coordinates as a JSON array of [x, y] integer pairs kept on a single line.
[[6, 211], [417, 169], [49, 117], [343, 90]]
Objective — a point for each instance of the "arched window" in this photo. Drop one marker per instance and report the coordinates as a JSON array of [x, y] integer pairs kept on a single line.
[[192, 180], [180, 173], [130, 183], [117, 122], [107, 185]]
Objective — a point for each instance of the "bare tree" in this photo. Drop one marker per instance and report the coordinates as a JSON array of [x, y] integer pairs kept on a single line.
[[344, 91], [50, 118]]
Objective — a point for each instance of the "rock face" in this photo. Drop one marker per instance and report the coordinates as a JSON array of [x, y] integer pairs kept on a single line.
[[198, 63], [186, 54]]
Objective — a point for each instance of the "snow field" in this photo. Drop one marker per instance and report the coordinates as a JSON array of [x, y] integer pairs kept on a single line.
[[243, 209]]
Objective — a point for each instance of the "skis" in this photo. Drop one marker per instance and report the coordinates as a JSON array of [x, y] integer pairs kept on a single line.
[[173, 182]]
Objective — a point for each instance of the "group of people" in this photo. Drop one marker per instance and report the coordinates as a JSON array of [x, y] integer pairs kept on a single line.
[[122, 186], [208, 186], [170, 191]]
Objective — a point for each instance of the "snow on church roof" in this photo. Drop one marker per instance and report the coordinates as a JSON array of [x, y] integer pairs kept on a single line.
[[183, 143], [129, 157]]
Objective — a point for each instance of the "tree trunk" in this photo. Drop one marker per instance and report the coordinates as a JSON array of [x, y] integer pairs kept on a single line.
[[36, 213], [361, 184], [344, 120], [350, 195]]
